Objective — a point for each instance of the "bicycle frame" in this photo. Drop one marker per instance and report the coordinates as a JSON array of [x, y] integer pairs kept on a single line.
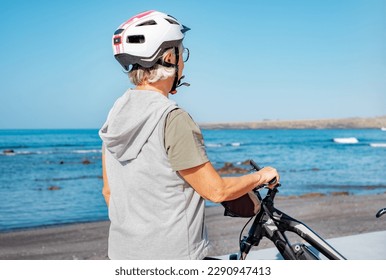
[[273, 224]]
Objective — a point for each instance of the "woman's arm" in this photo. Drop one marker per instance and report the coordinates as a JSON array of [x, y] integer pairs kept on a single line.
[[106, 188], [208, 183]]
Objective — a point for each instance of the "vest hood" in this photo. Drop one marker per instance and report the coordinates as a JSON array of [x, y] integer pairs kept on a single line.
[[131, 121]]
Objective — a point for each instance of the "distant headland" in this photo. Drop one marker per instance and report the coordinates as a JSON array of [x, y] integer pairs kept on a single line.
[[344, 123]]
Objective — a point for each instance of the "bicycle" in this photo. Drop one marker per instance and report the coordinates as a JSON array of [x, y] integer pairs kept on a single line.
[[273, 224]]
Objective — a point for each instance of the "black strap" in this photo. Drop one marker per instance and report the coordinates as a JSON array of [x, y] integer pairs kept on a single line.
[[175, 83]]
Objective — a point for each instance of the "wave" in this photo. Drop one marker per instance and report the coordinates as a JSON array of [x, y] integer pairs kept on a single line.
[[11, 152], [213, 145], [87, 151], [15, 153], [347, 140], [36, 145], [378, 145], [219, 145], [68, 178], [6, 147]]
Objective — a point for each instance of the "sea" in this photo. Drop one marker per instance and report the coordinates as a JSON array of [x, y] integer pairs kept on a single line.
[[54, 177]]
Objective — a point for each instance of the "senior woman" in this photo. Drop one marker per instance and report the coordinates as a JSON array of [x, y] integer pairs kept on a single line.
[[156, 172]]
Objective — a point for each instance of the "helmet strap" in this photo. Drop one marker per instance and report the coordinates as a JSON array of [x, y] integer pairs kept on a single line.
[[175, 82]]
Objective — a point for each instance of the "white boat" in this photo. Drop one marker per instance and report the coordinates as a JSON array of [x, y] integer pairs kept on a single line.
[[383, 128], [347, 140]]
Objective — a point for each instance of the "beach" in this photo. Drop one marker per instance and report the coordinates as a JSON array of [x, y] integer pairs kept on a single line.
[[330, 216]]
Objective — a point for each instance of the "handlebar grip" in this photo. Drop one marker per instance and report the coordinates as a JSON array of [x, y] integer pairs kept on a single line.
[[254, 165], [381, 212], [257, 168], [273, 181]]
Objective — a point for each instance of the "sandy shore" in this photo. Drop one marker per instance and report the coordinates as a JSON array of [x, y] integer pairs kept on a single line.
[[329, 216]]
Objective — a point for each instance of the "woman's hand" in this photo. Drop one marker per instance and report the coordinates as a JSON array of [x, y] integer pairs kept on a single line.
[[269, 174]]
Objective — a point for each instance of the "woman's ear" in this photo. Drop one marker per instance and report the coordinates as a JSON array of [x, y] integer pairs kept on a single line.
[[168, 58]]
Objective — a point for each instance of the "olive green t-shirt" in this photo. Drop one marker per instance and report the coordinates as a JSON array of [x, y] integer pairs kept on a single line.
[[184, 142]]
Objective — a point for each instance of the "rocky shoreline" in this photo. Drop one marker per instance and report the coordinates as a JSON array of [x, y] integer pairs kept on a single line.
[[346, 123]]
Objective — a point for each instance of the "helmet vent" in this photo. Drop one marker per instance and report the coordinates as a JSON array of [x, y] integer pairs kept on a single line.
[[149, 22], [136, 39], [171, 21], [119, 31]]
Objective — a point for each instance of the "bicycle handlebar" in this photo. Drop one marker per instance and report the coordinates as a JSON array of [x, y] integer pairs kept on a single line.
[[381, 212], [273, 224], [257, 168]]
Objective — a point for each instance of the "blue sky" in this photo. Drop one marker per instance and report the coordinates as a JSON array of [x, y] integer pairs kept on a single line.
[[250, 60]]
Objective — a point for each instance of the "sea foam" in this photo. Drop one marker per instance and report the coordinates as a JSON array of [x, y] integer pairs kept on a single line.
[[378, 145], [348, 140]]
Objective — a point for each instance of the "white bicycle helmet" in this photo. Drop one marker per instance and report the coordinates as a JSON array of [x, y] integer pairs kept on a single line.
[[144, 38]]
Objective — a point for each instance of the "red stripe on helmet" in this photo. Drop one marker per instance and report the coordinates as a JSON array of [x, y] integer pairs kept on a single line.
[[141, 15]]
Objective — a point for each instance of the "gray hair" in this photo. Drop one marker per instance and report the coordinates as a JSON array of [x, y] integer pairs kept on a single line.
[[139, 74]]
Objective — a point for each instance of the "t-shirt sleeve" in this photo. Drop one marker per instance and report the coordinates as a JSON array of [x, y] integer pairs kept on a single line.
[[184, 142]]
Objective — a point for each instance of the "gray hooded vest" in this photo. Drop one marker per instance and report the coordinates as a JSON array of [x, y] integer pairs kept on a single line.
[[154, 213]]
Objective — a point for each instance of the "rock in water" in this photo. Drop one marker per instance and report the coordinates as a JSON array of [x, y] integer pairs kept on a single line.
[[229, 168]]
